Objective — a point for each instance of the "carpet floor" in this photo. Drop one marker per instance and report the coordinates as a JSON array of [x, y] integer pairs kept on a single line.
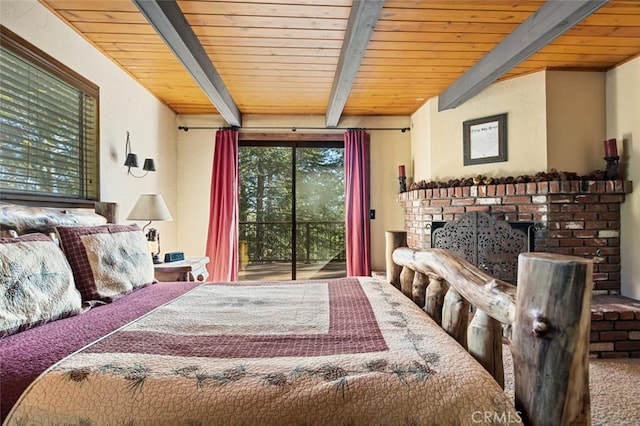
[[614, 387]]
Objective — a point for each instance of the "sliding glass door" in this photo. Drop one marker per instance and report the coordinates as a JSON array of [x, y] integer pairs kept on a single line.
[[291, 211]]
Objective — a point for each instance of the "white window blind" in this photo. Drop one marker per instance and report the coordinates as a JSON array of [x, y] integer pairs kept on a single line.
[[48, 128]]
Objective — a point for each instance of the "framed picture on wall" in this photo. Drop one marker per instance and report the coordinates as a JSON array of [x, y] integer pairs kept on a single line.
[[485, 140]]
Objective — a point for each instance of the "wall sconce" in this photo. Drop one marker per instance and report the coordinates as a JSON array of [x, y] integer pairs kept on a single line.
[[132, 161]]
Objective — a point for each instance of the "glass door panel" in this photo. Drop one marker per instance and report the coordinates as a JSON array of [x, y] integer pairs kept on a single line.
[[291, 212], [319, 213], [266, 204]]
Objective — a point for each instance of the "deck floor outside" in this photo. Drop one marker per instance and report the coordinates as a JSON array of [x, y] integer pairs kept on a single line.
[[281, 271]]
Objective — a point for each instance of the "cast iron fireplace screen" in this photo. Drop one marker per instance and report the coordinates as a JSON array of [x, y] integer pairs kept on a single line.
[[490, 244]]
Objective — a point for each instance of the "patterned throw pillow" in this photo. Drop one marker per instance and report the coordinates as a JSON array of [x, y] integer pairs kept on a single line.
[[37, 283], [108, 261]]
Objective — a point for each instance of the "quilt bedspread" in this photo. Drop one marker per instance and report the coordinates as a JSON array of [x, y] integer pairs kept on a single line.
[[344, 351]]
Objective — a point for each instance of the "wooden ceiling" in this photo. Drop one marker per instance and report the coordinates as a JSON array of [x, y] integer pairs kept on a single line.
[[281, 56]]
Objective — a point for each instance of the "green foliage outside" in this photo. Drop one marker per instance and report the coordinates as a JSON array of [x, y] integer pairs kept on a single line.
[[267, 203]]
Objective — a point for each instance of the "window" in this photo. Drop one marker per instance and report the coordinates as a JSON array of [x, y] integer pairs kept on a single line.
[[48, 127]]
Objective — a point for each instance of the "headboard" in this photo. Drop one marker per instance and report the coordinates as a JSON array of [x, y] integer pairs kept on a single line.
[[20, 219]]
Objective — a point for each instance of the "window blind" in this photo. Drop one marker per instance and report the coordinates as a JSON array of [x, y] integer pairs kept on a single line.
[[48, 133]]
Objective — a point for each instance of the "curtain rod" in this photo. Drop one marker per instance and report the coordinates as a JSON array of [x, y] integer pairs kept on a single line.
[[293, 129]]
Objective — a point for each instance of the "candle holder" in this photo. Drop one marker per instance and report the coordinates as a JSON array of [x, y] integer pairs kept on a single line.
[[613, 163], [403, 183]]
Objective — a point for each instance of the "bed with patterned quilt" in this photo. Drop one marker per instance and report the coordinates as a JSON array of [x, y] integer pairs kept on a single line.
[[344, 351], [88, 337]]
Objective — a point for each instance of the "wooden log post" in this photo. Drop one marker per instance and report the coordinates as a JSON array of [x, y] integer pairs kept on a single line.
[[406, 282], [107, 209], [551, 339], [484, 337], [419, 288], [434, 299], [393, 240], [455, 316], [495, 297]]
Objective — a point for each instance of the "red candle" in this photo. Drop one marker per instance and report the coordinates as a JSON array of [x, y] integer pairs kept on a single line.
[[610, 148], [401, 171]]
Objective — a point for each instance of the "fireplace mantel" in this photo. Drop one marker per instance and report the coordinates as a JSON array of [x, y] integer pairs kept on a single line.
[[580, 218]]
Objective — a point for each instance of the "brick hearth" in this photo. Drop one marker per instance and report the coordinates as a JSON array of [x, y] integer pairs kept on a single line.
[[580, 218], [615, 327]]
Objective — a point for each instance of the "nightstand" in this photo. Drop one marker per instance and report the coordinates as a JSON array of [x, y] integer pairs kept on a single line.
[[190, 269]]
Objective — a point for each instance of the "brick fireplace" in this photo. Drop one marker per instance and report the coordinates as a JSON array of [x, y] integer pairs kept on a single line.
[[580, 218]]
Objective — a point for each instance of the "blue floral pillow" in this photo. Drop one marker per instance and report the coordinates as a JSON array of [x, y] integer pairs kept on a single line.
[[36, 283]]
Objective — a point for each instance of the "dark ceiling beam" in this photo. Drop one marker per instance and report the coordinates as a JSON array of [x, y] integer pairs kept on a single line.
[[362, 20], [170, 23], [547, 23]]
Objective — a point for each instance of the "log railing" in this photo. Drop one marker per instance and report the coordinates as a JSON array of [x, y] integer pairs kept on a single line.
[[545, 321]]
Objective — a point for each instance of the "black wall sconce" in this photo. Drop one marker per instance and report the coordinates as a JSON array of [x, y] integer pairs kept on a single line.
[[132, 161]]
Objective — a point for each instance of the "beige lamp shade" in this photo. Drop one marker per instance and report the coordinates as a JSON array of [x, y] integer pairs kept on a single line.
[[150, 207]]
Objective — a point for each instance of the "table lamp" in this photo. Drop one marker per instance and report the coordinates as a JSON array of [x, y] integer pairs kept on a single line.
[[151, 207]]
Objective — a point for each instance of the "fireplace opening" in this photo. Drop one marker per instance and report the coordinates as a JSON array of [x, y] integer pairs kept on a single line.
[[490, 244], [528, 228]]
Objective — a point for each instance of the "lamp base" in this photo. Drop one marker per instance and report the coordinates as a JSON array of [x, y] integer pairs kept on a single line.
[[156, 258]]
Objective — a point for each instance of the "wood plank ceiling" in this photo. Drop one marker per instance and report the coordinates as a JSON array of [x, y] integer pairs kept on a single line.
[[280, 56]]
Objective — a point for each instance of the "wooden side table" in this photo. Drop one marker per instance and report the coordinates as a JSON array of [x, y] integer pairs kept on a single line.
[[190, 269]]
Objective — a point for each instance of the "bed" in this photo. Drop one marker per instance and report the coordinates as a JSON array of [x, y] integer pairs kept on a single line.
[[119, 348]]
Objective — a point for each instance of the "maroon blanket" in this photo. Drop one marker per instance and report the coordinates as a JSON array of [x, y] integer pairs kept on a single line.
[[24, 356]]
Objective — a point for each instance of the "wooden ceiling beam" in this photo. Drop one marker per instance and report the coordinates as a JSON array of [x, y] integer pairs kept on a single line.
[[362, 20], [170, 23], [545, 25]]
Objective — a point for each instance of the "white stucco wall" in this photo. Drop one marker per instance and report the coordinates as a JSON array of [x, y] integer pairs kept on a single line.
[[623, 123], [388, 149], [124, 106]]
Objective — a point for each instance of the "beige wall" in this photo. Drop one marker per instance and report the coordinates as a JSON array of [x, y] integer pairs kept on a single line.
[[575, 121], [552, 118], [523, 99], [184, 159], [195, 157], [421, 145], [623, 123], [124, 106], [556, 119]]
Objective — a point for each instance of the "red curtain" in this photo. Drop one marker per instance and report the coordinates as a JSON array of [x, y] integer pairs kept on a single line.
[[222, 238], [356, 161]]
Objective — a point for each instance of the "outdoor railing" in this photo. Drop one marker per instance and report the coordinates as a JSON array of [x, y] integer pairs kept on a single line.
[[315, 241]]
